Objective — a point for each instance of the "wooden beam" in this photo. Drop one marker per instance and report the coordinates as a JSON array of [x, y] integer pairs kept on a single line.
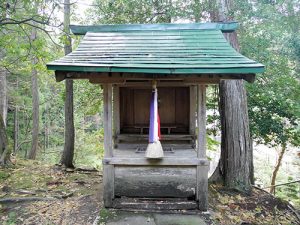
[[108, 170], [60, 76], [144, 137], [202, 173], [106, 80], [170, 161], [116, 77], [107, 120], [201, 120], [155, 181], [148, 84], [193, 103], [116, 111], [202, 187], [151, 204]]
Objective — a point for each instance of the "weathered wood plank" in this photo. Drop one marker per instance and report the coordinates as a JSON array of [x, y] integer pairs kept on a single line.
[[202, 187], [166, 161], [155, 181], [108, 170], [147, 84], [139, 137], [201, 121], [202, 172], [154, 204], [108, 185], [106, 80], [117, 77], [193, 103], [116, 111], [107, 119]]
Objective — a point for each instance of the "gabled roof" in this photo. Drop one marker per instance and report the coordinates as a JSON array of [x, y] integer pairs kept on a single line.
[[156, 48]]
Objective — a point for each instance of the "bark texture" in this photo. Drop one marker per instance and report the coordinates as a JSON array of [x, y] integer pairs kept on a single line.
[[16, 124], [276, 168], [4, 156], [236, 164], [3, 94], [235, 141], [16, 129], [35, 103], [4, 153], [68, 152], [3, 115], [3, 80]]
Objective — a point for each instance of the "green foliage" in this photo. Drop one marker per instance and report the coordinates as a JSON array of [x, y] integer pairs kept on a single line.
[[269, 33], [212, 144], [89, 148], [273, 100], [290, 192], [106, 214], [12, 219], [17, 50], [88, 98], [133, 11], [3, 175]]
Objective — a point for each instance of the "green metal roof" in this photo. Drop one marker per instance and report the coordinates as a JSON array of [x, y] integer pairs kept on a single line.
[[185, 49], [224, 27]]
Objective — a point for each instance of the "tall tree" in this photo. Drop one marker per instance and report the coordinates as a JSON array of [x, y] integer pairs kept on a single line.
[[274, 107], [3, 94], [4, 156], [234, 168], [3, 103], [35, 100], [68, 153], [3, 115], [17, 18], [3, 79]]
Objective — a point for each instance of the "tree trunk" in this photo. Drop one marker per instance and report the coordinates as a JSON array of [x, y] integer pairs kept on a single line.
[[46, 128], [4, 156], [3, 80], [35, 103], [234, 168], [3, 95], [16, 129], [251, 165], [235, 140], [68, 153], [276, 168]]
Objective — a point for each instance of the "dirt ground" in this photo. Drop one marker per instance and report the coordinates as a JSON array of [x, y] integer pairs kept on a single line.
[[34, 193], [49, 195]]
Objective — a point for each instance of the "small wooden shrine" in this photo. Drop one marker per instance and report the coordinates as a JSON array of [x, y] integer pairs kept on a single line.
[[176, 60]]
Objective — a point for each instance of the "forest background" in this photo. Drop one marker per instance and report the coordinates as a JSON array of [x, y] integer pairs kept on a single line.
[[31, 34]]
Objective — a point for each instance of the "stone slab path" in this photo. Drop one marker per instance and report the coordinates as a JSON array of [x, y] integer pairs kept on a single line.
[[132, 218]]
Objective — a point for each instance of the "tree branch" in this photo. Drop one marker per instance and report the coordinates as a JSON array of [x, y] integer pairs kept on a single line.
[[8, 21]]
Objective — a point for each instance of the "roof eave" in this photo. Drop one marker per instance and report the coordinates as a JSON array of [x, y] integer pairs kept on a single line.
[[225, 27], [244, 70]]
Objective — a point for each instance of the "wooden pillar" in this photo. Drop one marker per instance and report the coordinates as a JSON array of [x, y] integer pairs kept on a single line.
[[193, 104], [202, 170], [108, 170], [116, 112]]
